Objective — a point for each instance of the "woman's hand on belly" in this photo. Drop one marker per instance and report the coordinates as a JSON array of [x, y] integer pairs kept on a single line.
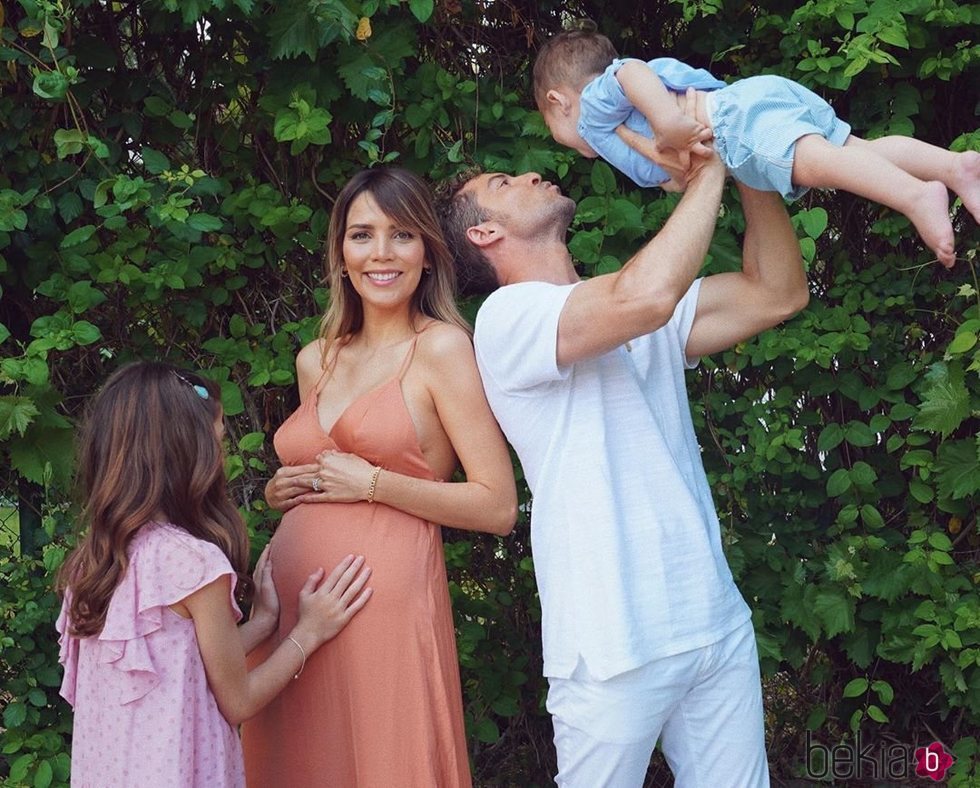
[[292, 485], [343, 478]]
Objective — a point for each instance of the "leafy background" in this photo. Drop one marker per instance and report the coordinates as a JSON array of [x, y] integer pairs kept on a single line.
[[167, 173]]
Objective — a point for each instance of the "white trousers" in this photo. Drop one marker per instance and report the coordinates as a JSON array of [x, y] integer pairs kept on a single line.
[[706, 704]]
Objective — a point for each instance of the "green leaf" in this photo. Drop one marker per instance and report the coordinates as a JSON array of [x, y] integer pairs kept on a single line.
[[862, 474], [180, 119], [946, 402], [82, 296], [78, 236], [835, 610], [50, 85], [894, 35], [814, 221], [44, 775], [421, 9], [816, 717], [69, 142], [16, 414], [486, 731], [14, 715], [154, 161], [69, 207], [84, 333], [856, 687], [603, 180], [859, 434], [871, 517], [361, 75], [251, 441], [838, 483], [884, 690], [19, 769], [292, 30], [831, 436], [204, 222], [940, 541], [231, 398], [156, 107], [237, 326], [900, 375], [958, 468], [962, 342], [921, 491], [585, 245], [877, 714]]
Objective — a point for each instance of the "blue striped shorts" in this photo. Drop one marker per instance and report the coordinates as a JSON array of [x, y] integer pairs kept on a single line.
[[756, 123]]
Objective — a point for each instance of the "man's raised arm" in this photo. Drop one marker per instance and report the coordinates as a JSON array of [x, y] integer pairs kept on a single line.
[[608, 310], [770, 288]]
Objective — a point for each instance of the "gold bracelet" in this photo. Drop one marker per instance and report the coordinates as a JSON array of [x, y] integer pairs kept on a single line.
[[301, 651], [374, 484]]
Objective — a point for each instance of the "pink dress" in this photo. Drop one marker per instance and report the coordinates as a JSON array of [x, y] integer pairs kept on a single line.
[[144, 714]]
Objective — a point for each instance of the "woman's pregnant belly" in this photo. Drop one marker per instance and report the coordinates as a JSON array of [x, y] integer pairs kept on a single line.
[[404, 554]]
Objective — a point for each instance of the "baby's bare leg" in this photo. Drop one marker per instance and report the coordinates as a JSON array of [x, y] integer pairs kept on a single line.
[[959, 171], [858, 169]]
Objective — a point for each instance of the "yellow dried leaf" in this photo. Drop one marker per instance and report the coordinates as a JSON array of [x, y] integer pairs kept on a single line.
[[30, 32], [955, 525], [363, 32]]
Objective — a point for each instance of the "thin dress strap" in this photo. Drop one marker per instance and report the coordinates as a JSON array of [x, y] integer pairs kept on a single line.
[[411, 350], [408, 358], [327, 370]]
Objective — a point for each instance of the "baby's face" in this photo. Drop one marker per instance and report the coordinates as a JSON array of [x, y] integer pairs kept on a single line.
[[564, 128]]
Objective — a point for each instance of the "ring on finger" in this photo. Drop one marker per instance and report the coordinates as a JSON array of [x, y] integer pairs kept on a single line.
[[315, 484]]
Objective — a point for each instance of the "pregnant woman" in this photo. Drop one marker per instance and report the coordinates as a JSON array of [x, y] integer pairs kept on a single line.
[[390, 405]]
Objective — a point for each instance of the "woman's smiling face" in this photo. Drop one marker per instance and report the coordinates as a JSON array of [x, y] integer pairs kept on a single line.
[[384, 259]]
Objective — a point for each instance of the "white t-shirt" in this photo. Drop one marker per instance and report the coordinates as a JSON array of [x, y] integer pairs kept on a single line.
[[626, 542]]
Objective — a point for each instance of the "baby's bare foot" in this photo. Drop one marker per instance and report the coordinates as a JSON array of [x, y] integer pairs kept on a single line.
[[930, 215], [966, 182]]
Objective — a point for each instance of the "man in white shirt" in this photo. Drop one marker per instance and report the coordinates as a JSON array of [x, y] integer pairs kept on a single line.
[[645, 635]]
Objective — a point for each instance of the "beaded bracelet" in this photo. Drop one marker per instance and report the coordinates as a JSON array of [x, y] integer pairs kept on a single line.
[[374, 483]]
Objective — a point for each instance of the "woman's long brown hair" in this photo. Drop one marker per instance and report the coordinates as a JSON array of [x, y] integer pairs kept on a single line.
[[148, 448], [405, 198]]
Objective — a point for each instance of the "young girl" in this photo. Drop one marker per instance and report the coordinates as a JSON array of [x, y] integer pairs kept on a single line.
[[154, 666], [772, 134]]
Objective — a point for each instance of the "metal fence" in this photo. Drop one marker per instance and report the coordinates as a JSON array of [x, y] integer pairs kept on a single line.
[[20, 518]]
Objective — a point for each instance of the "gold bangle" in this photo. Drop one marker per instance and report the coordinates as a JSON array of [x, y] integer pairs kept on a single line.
[[374, 484], [301, 651]]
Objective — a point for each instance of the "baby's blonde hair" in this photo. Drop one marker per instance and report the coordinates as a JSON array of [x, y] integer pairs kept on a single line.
[[570, 60]]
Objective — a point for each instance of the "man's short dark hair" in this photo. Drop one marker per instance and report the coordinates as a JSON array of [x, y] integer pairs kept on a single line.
[[458, 211]]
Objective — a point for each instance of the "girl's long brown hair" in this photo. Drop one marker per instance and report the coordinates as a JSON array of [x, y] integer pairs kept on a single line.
[[405, 198], [148, 448]]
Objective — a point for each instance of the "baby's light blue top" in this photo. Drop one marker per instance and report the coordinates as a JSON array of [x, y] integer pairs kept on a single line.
[[604, 106]]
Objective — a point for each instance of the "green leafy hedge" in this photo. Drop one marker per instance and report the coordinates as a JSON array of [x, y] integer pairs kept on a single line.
[[168, 170]]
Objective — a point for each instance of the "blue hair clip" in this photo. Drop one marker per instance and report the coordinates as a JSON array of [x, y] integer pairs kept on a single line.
[[199, 390]]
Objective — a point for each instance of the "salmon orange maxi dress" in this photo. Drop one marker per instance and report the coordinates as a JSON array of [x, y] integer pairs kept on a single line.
[[380, 705]]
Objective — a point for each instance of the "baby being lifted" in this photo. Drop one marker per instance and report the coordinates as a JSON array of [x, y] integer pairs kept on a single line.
[[772, 133]]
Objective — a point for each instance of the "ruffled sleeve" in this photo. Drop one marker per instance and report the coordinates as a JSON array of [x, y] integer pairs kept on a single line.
[[67, 652], [166, 565]]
